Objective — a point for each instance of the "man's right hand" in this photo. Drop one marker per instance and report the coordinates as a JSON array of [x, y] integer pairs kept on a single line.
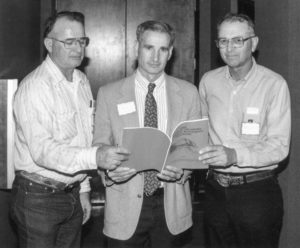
[[218, 156], [110, 157]]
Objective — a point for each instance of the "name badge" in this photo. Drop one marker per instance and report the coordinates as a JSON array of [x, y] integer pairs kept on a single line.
[[250, 128], [126, 108]]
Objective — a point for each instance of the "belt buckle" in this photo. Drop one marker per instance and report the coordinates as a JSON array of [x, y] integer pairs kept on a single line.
[[237, 180], [223, 180], [227, 180]]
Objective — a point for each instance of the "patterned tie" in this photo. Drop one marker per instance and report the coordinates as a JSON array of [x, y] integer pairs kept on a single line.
[[151, 182]]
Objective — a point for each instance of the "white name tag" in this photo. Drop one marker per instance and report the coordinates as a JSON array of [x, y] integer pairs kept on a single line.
[[250, 128], [126, 108]]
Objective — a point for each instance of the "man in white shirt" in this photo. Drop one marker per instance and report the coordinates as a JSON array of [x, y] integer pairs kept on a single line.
[[248, 106], [134, 211], [53, 109]]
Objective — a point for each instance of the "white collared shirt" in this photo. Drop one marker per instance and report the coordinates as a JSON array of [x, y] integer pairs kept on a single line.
[[261, 100], [54, 125]]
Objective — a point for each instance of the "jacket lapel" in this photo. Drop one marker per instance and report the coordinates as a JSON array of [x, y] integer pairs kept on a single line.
[[127, 95], [174, 104]]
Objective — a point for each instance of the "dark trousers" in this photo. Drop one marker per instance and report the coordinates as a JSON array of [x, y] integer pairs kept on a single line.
[[152, 230], [46, 218], [248, 215]]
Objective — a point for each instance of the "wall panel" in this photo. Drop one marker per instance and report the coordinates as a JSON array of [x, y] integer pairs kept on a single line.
[[20, 37], [111, 25], [105, 25], [180, 15]]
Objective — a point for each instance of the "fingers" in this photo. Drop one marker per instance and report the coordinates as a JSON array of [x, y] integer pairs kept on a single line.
[[121, 150], [110, 157], [86, 216], [170, 173], [217, 155], [207, 149], [186, 176], [117, 154], [207, 155], [121, 174]]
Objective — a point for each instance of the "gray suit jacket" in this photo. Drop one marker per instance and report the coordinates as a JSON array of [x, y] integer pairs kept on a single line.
[[124, 201]]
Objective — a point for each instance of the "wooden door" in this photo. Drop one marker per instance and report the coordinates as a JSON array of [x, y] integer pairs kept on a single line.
[[105, 25], [180, 15], [111, 26]]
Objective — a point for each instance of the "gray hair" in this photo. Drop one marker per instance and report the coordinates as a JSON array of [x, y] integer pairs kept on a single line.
[[156, 26]]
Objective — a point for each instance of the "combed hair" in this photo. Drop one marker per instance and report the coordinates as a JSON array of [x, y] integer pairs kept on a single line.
[[70, 15], [156, 26], [231, 17]]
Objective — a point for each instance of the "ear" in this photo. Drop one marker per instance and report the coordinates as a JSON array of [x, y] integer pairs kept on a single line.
[[170, 52], [48, 44], [254, 43]]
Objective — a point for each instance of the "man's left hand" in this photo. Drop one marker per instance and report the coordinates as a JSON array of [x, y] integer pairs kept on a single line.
[[170, 174], [86, 206]]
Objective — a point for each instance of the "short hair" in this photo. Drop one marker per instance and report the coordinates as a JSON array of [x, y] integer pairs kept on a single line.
[[156, 26], [231, 17], [70, 15]]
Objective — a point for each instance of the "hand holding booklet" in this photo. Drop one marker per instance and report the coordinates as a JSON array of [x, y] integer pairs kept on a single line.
[[151, 148]]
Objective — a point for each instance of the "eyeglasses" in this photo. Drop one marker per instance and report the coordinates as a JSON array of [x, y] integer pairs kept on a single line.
[[236, 42], [72, 42]]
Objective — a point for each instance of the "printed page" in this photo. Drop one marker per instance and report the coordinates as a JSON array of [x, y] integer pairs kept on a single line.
[[187, 139], [148, 147]]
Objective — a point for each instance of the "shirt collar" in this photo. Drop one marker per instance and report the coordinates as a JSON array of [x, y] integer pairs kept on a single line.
[[143, 82], [57, 74], [249, 74]]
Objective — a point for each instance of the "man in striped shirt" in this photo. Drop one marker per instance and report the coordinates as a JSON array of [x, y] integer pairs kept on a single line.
[[53, 110]]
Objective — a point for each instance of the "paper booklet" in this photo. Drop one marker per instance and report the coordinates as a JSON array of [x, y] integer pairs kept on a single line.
[[151, 148]]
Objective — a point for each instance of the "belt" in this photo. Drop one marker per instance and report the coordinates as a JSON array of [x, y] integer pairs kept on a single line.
[[49, 182], [231, 179]]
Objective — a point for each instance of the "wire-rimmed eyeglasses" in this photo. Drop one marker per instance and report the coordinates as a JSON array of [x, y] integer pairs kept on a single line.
[[236, 42], [72, 42]]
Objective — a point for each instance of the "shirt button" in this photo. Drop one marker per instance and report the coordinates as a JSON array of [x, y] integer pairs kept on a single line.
[[139, 196]]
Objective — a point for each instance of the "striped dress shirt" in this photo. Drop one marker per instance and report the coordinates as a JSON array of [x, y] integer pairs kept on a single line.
[[159, 93], [54, 125]]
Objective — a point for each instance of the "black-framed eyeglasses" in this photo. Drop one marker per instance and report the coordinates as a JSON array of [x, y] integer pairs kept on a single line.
[[72, 42], [236, 42]]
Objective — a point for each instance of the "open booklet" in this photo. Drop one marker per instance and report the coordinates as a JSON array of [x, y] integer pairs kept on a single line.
[[153, 149]]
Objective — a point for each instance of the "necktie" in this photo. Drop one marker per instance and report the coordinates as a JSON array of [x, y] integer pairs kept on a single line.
[[151, 182]]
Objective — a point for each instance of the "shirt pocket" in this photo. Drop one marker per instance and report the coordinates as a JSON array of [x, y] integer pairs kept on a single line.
[[67, 128]]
